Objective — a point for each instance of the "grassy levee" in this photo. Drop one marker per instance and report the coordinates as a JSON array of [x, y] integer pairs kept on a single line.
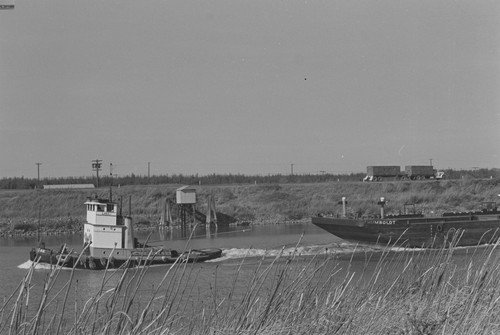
[[383, 292], [63, 210]]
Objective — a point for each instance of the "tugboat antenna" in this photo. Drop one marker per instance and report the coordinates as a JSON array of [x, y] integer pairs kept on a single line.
[[130, 206], [110, 182]]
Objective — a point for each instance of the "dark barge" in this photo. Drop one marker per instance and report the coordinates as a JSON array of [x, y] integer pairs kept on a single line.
[[416, 230]]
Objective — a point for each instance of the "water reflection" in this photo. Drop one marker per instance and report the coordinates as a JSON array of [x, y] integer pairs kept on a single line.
[[198, 232], [201, 236]]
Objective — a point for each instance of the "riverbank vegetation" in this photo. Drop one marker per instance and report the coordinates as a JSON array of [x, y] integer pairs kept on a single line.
[[62, 210], [381, 292]]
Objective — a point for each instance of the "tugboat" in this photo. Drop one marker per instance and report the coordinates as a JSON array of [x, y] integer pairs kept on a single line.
[[109, 242], [415, 230]]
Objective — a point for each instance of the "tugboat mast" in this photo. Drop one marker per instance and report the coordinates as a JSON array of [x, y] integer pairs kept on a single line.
[[110, 181]]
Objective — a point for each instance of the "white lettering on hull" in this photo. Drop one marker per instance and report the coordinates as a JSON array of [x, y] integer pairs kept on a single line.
[[384, 222]]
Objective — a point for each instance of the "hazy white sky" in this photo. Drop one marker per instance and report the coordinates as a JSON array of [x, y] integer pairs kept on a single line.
[[229, 86]]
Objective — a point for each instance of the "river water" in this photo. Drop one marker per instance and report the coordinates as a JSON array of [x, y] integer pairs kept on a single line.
[[249, 243], [237, 242]]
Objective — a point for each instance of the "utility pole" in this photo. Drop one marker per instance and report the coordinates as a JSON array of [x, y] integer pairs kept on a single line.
[[38, 169], [430, 161], [149, 170], [39, 223], [291, 168], [96, 166]]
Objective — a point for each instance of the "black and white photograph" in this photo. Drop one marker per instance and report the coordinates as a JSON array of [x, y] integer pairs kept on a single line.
[[250, 167]]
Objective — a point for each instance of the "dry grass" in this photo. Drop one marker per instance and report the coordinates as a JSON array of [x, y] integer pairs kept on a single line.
[[384, 292], [259, 203]]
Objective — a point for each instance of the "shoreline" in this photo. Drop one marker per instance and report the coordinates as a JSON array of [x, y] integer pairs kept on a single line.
[[61, 211], [6, 230]]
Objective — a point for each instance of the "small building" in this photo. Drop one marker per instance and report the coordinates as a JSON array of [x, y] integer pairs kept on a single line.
[[7, 4], [52, 187], [185, 195]]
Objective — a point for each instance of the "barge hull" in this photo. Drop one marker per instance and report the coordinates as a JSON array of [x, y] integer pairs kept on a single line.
[[415, 232]]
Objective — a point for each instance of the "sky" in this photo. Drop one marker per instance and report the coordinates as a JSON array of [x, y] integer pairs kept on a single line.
[[249, 87]]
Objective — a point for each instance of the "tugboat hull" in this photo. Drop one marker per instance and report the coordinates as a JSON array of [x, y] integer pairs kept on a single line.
[[136, 258]]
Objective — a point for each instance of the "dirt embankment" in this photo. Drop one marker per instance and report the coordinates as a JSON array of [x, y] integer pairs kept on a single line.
[[62, 211]]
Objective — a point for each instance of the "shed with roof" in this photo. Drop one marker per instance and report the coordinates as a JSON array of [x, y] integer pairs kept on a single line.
[[185, 195]]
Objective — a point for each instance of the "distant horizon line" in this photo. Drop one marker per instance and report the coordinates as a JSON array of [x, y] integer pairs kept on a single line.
[[322, 172]]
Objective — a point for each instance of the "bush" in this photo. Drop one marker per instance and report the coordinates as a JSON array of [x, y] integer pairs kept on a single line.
[[25, 226], [295, 214]]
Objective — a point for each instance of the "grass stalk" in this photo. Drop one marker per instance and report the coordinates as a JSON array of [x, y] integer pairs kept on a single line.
[[382, 292]]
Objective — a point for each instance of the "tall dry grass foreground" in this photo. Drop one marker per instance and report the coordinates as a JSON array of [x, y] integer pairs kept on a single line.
[[382, 292]]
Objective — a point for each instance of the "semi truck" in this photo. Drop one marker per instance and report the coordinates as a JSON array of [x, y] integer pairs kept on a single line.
[[410, 172], [380, 172], [418, 172]]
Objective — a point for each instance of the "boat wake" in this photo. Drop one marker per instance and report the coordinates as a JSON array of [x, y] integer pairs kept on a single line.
[[331, 249], [29, 264], [313, 250]]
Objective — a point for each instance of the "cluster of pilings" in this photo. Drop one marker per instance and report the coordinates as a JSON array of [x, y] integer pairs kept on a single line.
[[187, 214]]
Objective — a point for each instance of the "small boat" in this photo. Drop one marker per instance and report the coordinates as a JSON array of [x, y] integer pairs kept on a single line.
[[415, 230], [109, 242]]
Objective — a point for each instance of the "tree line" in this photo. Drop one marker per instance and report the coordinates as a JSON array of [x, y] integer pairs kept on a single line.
[[19, 183]]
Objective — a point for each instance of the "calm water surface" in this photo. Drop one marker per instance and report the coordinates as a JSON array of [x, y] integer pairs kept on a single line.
[[251, 244], [237, 242]]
